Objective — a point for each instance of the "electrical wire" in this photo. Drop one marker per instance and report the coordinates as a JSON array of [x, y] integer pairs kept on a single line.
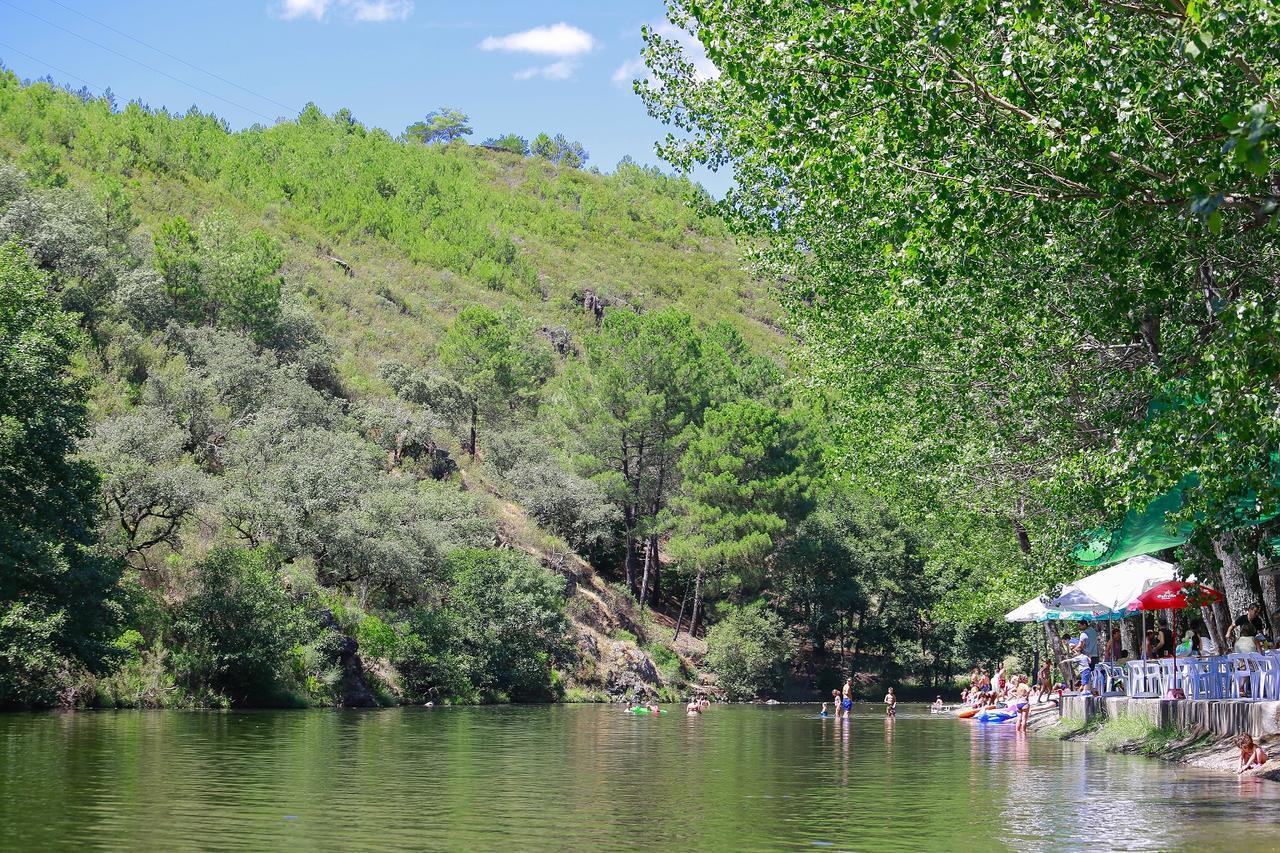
[[151, 68], [174, 57], [61, 71]]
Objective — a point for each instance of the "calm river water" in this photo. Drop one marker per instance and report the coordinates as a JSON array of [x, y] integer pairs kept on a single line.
[[591, 778]]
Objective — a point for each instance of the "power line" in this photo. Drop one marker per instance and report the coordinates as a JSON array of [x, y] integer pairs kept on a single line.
[[174, 57], [51, 65], [150, 68]]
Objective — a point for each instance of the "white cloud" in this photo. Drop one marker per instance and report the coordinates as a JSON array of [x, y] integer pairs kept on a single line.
[[380, 11], [291, 10], [628, 71], [369, 11], [555, 40], [561, 70]]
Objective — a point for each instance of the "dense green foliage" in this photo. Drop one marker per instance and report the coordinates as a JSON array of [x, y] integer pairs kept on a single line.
[[1030, 250], [234, 630], [749, 649], [59, 608]]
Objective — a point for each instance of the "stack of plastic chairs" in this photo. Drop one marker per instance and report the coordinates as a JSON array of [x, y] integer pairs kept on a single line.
[[1269, 676], [1246, 675], [1202, 678]]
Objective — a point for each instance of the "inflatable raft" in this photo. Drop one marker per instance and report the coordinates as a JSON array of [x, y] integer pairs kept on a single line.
[[996, 715]]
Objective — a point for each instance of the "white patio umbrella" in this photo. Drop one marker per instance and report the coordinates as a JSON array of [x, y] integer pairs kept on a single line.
[[1118, 585], [1069, 605], [1033, 611], [1115, 587]]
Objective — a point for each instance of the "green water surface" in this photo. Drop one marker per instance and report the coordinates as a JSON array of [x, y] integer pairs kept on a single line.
[[592, 778]]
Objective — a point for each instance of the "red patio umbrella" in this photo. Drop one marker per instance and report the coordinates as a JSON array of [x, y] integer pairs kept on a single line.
[[1175, 595]]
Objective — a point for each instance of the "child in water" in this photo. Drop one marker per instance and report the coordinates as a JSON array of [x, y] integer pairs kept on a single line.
[[891, 703], [823, 712], [937, 705]]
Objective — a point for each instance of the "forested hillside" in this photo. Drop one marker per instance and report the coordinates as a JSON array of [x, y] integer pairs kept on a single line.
[[343, 418]]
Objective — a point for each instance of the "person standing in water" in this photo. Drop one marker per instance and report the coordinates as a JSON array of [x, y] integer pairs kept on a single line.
[[890, 703], [846, 698]]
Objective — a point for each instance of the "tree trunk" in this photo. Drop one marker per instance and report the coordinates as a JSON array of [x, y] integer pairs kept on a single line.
[[656, 583], [629, 560], [680, 618], [1055, 649], [475, 421], [1129, 638], [697, 604], [1235, 583], [1216, 631], [644, 577], [1270, 596]]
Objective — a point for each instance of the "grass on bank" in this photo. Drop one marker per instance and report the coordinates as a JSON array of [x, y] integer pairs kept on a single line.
[[1128, 733]]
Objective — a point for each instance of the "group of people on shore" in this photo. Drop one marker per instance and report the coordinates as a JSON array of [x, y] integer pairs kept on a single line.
[[1000, 690]]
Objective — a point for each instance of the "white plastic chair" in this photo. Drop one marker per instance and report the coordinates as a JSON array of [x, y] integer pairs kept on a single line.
[[1115, 680], [1268, 676], [1138, 679], [1246, 675], [1203, 678], [1167, 677]]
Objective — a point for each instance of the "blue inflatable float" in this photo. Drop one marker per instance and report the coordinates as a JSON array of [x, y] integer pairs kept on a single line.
[[996, 716]]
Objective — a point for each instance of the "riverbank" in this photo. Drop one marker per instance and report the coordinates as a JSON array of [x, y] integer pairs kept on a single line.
[[1133, 734]]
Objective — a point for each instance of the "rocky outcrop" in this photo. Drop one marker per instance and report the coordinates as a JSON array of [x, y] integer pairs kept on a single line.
[[629, 674], [352, 690]]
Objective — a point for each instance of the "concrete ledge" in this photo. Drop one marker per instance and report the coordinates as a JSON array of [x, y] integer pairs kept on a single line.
[[1224, 718]]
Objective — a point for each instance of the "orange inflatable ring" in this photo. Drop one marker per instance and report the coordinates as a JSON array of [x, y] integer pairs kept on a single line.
[[967, 713]]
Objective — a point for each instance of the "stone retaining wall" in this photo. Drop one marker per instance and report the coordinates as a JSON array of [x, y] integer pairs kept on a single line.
[[1222, 718]]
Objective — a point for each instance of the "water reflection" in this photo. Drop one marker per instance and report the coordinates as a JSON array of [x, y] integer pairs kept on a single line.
[[587, 778]]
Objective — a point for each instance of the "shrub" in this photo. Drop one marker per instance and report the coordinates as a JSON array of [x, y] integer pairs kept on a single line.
[[749, 650], [573, 508], [234, 632], [511, 623]]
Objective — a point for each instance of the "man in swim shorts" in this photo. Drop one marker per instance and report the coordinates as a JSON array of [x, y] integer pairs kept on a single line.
[[846, 698]]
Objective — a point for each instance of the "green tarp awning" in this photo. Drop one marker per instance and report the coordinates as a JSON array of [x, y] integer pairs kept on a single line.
[[1147, 531]]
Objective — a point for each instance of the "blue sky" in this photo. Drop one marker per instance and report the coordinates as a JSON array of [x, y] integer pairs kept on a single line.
[[522, 67]]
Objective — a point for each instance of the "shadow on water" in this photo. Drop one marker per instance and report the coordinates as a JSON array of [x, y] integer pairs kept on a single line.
[[590, 778]]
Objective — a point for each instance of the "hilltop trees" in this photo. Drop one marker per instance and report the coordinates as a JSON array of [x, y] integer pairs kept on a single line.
[[59, 603], [443, 126], [559, 150], [509, 142]]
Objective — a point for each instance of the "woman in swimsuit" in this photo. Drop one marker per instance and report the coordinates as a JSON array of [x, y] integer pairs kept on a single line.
[[1022, 702]]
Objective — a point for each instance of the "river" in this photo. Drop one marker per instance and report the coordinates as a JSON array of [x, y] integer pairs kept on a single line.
[[589, 777]]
